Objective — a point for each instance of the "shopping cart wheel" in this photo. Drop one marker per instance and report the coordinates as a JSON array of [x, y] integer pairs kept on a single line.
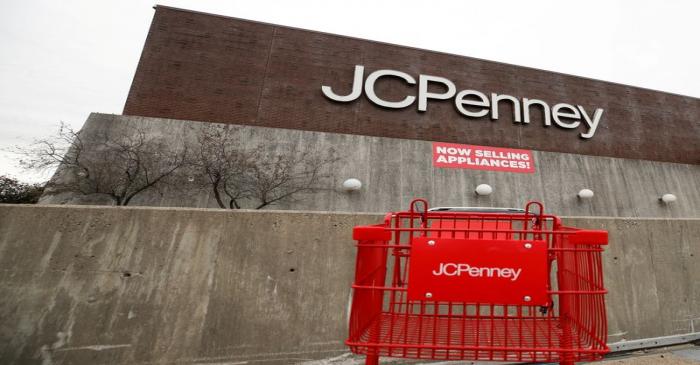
[[372, 360]]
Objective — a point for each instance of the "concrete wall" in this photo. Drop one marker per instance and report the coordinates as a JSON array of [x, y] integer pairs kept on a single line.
[[394, 171], [101, 285]]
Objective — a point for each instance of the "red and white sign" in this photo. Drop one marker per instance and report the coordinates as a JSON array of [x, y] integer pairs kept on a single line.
[[464, 156], [478, 271]]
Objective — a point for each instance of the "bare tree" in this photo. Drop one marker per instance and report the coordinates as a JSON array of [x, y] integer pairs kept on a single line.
[[222, 163], [241, 175], [117, 165], [283, 177]]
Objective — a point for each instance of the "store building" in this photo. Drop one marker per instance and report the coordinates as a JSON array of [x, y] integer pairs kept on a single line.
[[415, 123]]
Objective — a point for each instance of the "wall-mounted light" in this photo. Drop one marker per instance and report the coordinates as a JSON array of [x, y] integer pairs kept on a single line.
[[352, 184], [585, 194], [483, 189], [668, 198]]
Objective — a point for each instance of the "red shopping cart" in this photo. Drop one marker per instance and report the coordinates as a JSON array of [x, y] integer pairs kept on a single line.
[[514, 286]]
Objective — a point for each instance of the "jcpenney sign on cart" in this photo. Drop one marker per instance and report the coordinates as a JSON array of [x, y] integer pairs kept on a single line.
[[464, 156], [491, 270]]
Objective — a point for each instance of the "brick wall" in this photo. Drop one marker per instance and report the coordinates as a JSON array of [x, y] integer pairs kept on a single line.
[[205, 67]]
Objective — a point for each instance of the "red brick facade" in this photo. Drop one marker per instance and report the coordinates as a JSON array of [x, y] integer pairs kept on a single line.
[[205, 67]]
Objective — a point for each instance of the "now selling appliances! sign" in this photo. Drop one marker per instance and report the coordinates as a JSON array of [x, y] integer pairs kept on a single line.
[[464, 156]]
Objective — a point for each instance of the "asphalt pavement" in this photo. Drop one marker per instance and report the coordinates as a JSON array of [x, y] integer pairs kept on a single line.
[[687, 354], [683, 355]]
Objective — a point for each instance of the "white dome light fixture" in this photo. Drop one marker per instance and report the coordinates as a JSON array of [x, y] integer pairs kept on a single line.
[[668, 198], [483, 189], [352, 184], [585, 194]]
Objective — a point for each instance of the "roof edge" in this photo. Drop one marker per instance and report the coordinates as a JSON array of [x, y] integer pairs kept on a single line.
[[166, 7]]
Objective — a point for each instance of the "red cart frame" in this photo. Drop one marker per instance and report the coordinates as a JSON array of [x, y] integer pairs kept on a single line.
[[410, 301]]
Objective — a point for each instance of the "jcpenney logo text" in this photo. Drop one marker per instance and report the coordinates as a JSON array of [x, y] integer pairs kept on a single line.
[[455, 269], [470, 103]]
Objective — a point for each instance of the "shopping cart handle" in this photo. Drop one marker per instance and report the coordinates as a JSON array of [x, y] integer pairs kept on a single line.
[[589, 237], [371, 233]]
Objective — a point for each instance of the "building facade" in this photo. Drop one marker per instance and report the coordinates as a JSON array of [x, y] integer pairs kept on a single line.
[[409, 122]]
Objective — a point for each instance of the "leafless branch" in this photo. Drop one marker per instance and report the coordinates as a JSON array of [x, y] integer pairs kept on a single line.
[[119, 165], [237, 174]]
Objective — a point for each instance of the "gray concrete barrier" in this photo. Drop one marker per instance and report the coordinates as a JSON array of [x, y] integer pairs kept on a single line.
[[394, 171], [105, 285]]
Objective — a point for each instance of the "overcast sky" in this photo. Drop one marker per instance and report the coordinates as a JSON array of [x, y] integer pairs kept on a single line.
[[61, 60]]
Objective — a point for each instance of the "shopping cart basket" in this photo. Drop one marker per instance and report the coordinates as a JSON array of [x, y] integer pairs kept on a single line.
[[460, 285]]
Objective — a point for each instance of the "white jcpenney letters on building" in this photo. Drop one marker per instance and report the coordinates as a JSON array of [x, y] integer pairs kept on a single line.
[[470, 103]]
